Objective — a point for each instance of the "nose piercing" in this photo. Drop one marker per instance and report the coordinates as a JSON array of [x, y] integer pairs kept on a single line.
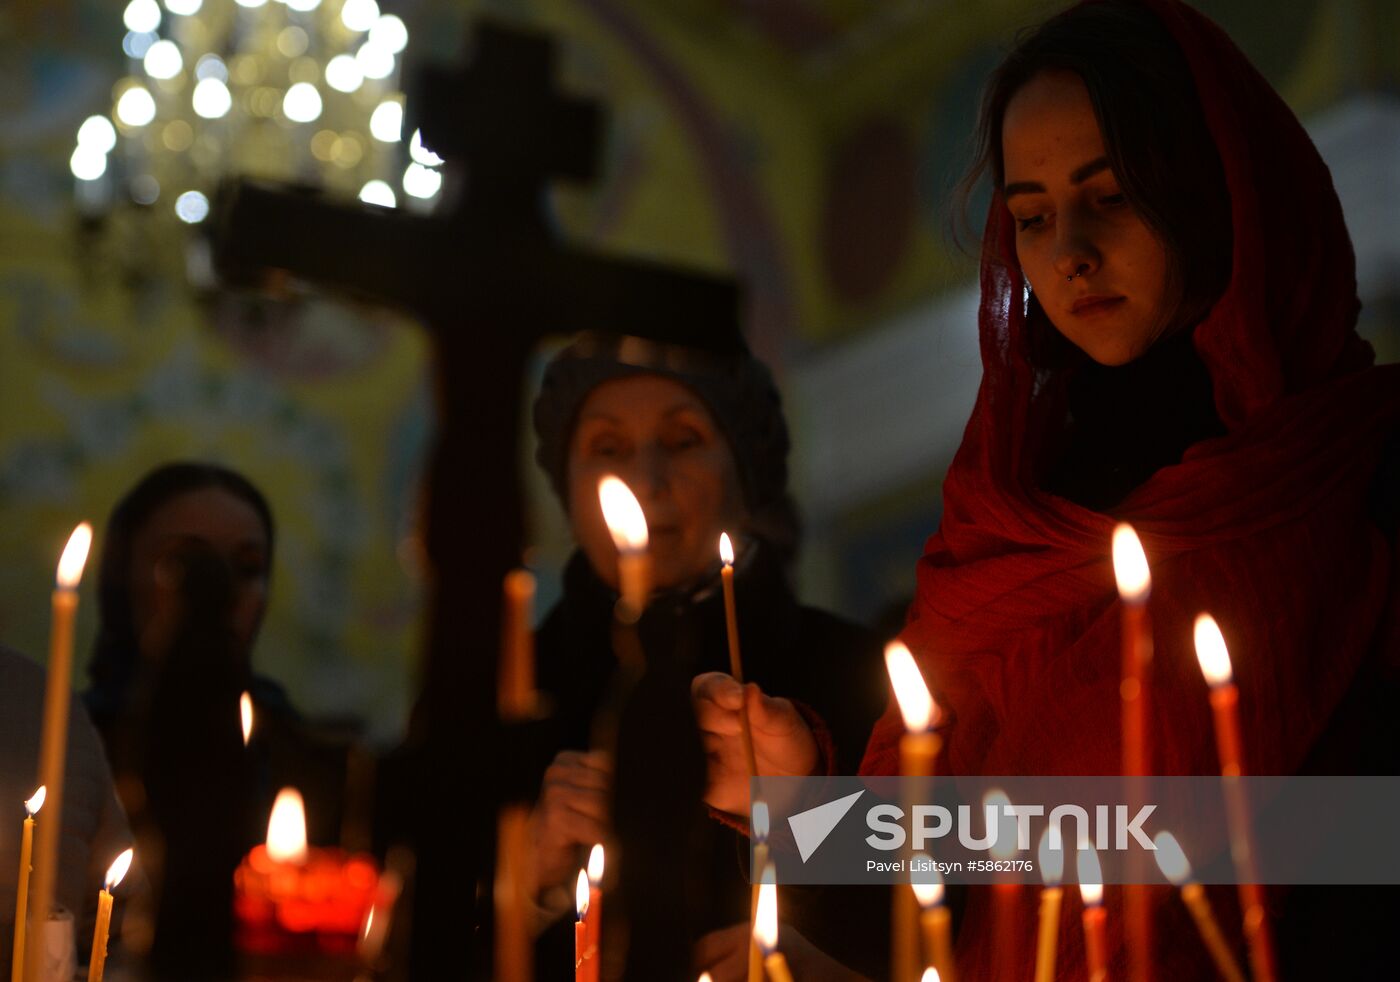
[[1077, 272]]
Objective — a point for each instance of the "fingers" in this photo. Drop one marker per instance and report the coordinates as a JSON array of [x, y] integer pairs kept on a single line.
[[772, 714], [717, 688], [723, 953]]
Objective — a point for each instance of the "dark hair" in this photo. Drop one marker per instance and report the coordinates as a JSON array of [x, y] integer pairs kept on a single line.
[[1154, 130], [114, 656]]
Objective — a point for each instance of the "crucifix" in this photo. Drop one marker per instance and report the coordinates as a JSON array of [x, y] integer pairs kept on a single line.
[[489, 280]]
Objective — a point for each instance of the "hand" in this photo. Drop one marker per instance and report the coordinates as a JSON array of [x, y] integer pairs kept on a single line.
[[725, 955], [572, 811], [783, 744]]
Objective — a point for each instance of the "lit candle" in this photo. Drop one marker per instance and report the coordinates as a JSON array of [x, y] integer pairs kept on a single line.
[[245, 714], [918, 749], [581, 928], [26, 847], [594, 919], [1052, 867], [736, 664], [54, 742], [931, 975], [765, 928], [1134, 585], [1095, 917], [1006, 897], [1214, 659], [1172, 861], [628, 526], [758, 825], [934, 920], [104, 916]]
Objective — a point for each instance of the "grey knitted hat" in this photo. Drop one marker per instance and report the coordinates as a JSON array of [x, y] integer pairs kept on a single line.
[[737, 388]]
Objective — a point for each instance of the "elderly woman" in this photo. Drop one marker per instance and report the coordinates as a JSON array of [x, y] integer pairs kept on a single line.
[[700, 438]]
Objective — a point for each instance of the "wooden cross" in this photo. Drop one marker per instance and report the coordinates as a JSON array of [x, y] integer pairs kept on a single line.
[[489, 281]]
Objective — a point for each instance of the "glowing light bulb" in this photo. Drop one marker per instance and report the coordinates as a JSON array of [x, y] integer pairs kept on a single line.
[[359, 15], [302, 103], [87, 163], [343, 73], [377, 192], [141, 16], [420, 182], [212, 98], [421, 154], [163, 60], [386, 123], [192, 207], [98, 133], [375, 61], [390, 33]]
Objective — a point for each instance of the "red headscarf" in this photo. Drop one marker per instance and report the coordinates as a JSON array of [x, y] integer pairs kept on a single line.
[[1016, 620]]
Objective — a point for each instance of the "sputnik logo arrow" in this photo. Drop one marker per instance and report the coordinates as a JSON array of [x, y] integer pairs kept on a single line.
[[810, 828]]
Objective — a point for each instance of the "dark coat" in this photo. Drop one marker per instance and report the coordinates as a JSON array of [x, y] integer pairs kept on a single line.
[[831, 667]]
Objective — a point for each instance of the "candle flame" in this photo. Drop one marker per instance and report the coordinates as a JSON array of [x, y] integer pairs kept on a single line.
[[726, 549], [765, 921], [705, 977], [1211, 651], [623, 514], [1052, 861], [1090, 877], [916, 703], [1004, 847], [931, 975], [33, 805], [1171, 859], [369, 922], [245, 712], [70, 566], [595, 864], [286, 828], [928, 891], [581, 895], [1130, 565], [118, 869]]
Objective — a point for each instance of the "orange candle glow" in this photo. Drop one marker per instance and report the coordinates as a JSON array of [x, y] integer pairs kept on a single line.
[[593, 935], [1006, 897], [758, 826], [115, 872], [935, 922], [26, 851], [581, 953], [765, 929], [1172, 861], [736, 663], [1214, 658], [1134, 585], [1052, 867], [1095, 917], [53, 745], [628, 526], [918, 749], [245, 716]]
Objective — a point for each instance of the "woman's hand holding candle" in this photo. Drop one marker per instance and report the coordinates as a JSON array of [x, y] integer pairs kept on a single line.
[[572, 811], [783, 743]]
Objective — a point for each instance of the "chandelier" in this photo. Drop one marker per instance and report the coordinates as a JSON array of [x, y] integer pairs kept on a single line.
[[299, 91]]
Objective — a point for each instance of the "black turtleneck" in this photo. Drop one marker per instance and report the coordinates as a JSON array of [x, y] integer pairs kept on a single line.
[[1124, 423]]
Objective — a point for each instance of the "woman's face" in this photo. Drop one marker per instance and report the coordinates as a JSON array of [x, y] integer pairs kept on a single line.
[[659, 438], [1072, 220], [222, 522]]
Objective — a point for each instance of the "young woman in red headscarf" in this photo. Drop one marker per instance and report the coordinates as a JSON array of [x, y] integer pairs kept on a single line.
[[1168, 333]]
